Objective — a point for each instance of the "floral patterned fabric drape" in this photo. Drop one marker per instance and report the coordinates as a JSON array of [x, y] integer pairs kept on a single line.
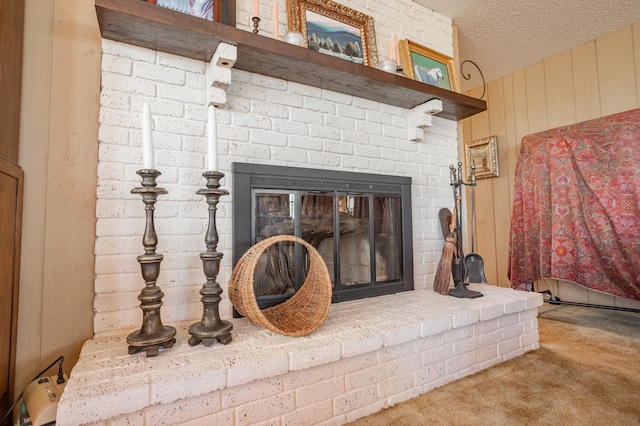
[[576, 207]]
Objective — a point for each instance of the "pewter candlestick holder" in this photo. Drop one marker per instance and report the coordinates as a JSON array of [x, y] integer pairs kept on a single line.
[[152, 335], [211, 327]]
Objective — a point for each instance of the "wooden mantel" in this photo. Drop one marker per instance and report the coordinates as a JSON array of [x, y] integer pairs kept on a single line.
[[146, 25]]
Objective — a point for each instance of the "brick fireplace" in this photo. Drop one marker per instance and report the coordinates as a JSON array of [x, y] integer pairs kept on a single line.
[[370, 353], [266, 121]]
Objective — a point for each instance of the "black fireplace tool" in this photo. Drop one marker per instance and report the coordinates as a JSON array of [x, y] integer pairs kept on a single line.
[[473, 262], [459, 268]]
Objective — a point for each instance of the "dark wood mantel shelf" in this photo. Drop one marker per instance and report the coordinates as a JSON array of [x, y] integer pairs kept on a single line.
[[146, 25]]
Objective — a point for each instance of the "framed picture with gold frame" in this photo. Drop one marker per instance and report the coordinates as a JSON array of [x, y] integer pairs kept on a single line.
[[205, 9], [334, 29], [428, 66], [483, 153]]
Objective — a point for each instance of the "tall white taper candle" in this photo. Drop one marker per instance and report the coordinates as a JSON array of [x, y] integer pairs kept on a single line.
[[275, 20], [212, 139], [397, 48], [147, 144]]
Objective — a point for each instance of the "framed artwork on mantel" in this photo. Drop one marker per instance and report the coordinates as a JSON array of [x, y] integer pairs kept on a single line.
[[428, 66], [334, 29], [200, 8], [222, 11]]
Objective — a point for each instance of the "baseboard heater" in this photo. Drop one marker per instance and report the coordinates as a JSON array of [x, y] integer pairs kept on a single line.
[[554, 300]]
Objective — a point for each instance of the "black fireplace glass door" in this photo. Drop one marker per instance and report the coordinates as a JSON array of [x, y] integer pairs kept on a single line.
[[359, 223], [354, 240], [283, 267], [346, 245], [273, 214], [317, 212], [388, 237]]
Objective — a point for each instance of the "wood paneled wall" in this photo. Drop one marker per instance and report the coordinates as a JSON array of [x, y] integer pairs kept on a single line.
[[593, 80], [59, 155]]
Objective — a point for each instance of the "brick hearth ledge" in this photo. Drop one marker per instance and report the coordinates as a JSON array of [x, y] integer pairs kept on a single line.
[[369, 354]]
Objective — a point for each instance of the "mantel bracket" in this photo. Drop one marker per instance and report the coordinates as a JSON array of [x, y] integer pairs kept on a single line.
[[219, 73], [420, 117]]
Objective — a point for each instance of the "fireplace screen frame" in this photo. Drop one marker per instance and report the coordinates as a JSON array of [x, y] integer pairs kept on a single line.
[[248, 179]]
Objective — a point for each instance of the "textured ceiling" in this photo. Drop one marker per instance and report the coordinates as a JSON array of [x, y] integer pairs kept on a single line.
[[503, 36]]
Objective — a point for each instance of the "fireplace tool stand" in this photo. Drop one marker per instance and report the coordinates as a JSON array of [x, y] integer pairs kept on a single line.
[[152, 335], [211, 327], [460, 290]]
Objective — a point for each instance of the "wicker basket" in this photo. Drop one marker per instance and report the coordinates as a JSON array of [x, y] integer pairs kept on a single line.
[[303, 312]]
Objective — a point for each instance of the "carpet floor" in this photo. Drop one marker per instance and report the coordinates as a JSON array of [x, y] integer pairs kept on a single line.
[[586, 372]]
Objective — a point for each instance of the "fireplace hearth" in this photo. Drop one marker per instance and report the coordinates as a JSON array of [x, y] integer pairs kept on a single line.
[[368, 355], [360, 223]]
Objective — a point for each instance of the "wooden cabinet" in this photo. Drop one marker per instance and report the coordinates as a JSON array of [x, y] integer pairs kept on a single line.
[[11, 29], [11, 178], [11, 183]]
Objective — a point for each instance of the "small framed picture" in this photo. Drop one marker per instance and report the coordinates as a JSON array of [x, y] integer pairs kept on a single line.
[[482, 153], [205, 9], [428, 66], [335, 30]]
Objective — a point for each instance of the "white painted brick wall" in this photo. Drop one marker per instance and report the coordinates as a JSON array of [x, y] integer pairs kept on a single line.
[[266, 120]]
